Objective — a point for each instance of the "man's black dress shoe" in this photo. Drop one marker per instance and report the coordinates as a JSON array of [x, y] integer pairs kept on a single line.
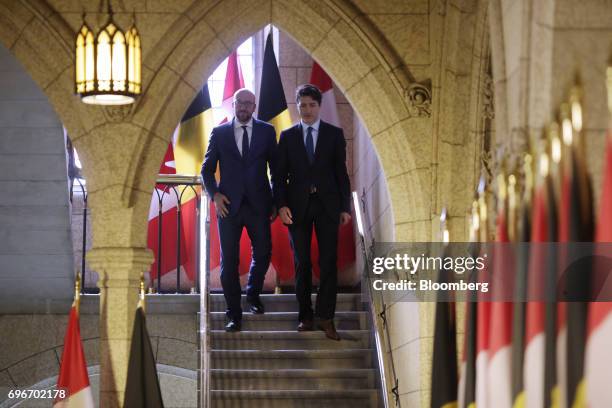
[[233, 326], [255, 306], [305, 325]]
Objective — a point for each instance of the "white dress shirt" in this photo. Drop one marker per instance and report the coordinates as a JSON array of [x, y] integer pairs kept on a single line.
[[315, 132], [238, 131]]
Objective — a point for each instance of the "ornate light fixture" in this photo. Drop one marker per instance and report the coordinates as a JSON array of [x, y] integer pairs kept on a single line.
[[107, 65]]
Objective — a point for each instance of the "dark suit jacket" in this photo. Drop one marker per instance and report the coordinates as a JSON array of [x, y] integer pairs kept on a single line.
[[241, 178], [295, 175]]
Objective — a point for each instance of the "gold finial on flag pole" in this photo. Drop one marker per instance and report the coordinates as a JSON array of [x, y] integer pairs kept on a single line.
[[609, 83], [529, 180], [567, 129], [512, 207], [552, 148], [575, 100], [444, 234], [141, 300], [474, 222], [77, 292]]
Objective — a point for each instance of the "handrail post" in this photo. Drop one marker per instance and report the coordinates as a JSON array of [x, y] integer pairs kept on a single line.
[[84, 243], [204, 374]]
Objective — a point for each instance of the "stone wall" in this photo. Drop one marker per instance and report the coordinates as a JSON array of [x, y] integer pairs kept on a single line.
[[32, 347], [36, 269]]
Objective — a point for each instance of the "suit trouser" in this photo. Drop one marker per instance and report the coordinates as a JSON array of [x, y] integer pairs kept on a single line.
[[230, 231], [326, 228]]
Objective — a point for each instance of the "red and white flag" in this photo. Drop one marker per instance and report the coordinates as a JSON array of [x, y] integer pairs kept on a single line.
[[599, 350], [539, 359], [329, 109], [73, 378], [168, 212], [483, 315], [233, 82], [500, 335]]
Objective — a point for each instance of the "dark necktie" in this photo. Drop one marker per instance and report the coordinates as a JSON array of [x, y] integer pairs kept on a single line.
[[245, 142], [310, 144]]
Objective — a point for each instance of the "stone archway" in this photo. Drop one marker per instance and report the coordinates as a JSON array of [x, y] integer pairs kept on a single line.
[[122, 147], [374, 91]]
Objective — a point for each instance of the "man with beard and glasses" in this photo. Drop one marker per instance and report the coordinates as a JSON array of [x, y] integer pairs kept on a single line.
[[243, 149]]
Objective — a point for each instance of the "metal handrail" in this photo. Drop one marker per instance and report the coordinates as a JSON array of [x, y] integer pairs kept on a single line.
[[360, 205], [177, 184], [202, 277], [204, 336], [173, 183]]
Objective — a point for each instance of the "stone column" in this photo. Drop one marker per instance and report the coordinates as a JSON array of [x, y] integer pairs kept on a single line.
[[119, 270]]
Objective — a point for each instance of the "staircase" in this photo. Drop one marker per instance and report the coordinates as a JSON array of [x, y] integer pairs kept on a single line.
[[269, 364]]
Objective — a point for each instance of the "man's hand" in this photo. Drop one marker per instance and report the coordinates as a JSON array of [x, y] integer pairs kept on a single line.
[[221, 202], [344, 218], [273, 214], [285, 215]]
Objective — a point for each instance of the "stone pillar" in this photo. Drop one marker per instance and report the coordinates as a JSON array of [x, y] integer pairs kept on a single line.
[[119, 270]]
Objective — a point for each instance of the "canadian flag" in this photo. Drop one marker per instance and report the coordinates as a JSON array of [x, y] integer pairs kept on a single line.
[[483, 326], [73, 378], [329, 109], [167, 215], [233, 82], [539, 369], [500, 326]]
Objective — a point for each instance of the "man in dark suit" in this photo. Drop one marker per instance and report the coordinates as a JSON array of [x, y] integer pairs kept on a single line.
[[243, 148], [313, 188]]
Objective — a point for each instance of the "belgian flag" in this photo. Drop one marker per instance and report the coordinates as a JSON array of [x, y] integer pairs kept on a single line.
[[467, 379], [444, 366], [195, 126], [273, 109], [142, 388], [191, 142], [575, 225], [272, 102], [522, 267], [444, 370]]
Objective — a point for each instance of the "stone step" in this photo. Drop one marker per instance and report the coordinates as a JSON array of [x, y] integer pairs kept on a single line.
[[279, 359], [287, 321], [295, 398], [292, 379], [288, 340], [288, 302]]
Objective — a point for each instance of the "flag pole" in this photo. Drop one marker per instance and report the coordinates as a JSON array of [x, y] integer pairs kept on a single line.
[[77, 292], [609, 83], [512, 215], [141, 297]]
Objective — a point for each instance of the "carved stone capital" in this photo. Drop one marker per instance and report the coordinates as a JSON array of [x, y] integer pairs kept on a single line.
[[121, 265], [418, 97]]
